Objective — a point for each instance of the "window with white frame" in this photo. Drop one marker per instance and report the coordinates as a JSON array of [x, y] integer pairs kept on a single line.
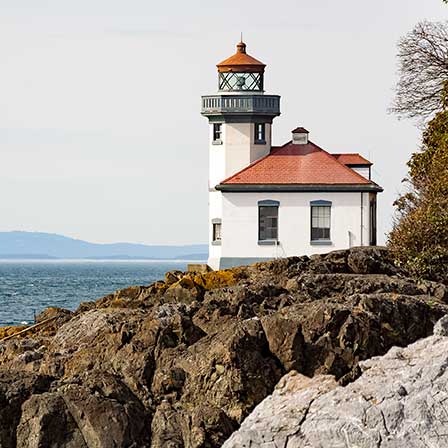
[[268, 220], [216, 231], [260, 133], [320, 220], [217, 132]]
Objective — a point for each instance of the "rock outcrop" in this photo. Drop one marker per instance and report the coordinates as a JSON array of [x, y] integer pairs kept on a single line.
[[182, 362], [399, 400]]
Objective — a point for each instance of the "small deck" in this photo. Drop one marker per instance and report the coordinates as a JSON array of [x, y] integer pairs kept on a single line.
[[241, 104]]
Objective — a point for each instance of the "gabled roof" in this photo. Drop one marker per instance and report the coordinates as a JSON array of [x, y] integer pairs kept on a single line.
[[300, 130], [306, 165], [352, 159]]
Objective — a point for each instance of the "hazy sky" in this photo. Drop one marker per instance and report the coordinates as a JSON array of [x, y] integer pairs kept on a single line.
[[100, 132]]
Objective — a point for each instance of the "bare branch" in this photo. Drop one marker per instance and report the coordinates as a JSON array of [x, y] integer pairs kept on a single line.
[[423, 70]]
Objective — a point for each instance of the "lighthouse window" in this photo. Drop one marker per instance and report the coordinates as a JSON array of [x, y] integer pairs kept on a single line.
[[260, 133], [373, 221], [217, 131], [267, 222], [217, 231], [240, 81], [320, 222]]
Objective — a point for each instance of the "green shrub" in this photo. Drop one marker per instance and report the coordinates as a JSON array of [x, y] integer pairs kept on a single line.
[[419, 239]]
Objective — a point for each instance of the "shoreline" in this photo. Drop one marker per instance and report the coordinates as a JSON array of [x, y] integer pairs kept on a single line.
[[97, 260]]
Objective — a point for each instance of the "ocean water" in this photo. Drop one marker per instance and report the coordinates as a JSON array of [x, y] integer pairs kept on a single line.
[[28, 287]]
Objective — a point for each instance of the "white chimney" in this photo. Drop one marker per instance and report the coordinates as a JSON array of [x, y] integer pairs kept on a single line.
[[300, 136]]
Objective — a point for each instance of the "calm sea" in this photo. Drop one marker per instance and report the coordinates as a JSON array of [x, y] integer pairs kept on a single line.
[[28, 287]]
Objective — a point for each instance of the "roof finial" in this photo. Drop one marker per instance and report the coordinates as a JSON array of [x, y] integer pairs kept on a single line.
[[241, 46]]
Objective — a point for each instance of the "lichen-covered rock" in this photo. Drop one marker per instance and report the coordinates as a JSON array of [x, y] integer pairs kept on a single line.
[[11, 330], [399, 400], [218, 279]]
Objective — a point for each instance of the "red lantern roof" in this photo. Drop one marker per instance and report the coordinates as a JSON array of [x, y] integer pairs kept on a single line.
[[241, 62]]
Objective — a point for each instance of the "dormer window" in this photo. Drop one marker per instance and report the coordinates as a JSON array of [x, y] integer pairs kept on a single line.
[[300, 136], [260, 133]]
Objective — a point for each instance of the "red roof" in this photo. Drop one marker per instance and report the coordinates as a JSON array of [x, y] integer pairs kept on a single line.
[[298, 164], [241, 62], [352, 159]]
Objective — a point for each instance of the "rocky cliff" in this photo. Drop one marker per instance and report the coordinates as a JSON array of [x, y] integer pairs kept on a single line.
[[399, 400], [182, 363]]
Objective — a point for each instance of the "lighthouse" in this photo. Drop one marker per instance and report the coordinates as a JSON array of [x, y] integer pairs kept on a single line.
[[265, 201], [240, 119]]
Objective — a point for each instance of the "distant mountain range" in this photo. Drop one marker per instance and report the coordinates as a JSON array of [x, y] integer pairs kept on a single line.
[[36, 245]]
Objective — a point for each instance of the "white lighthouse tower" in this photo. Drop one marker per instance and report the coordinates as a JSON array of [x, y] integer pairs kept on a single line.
[[240, 117]]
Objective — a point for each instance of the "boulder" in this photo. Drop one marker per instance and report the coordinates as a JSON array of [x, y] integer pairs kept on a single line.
[[231, 370], [370, 260], [60, 314], [107, 413], [46, 422], [15, 389], [286, 341], [166, 427], [441, 327], [277, 419], [399, 400], [172, 277]]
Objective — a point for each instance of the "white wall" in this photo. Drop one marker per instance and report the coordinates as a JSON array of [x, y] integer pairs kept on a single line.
[[239, 211], [240, 147], [236, 152], [217, 159], [258, 151], [364, 171], [240, 223], [215, 211]]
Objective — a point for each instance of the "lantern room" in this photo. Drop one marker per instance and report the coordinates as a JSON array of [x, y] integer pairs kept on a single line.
[[241, 72]]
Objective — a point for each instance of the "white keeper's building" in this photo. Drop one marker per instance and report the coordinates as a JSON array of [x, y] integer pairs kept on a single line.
[[267, 202]]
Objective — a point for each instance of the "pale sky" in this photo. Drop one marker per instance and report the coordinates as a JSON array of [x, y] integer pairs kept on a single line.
[[101, 136]]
